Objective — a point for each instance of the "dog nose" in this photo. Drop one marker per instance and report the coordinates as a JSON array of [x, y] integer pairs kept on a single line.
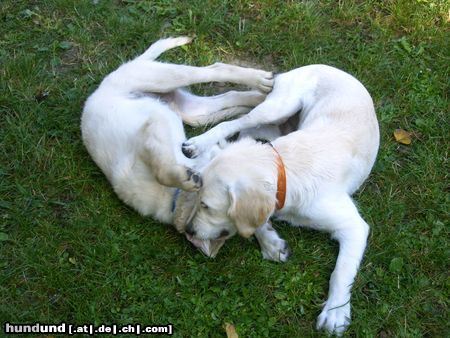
[[224, 233], [190, 231]]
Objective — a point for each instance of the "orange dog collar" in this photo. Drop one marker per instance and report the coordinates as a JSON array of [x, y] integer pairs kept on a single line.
[[281, 184]]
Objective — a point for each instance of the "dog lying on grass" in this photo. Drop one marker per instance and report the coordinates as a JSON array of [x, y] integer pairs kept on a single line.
[[132, 126], [305, 177]]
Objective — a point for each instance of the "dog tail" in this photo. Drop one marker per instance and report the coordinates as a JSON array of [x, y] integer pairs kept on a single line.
[[161, 46]]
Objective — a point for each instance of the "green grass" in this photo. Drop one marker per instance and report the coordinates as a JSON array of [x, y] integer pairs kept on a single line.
[[71, 251]]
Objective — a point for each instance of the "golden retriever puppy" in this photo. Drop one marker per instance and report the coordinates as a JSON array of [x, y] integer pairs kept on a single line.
[[305, 177], [132, 125]]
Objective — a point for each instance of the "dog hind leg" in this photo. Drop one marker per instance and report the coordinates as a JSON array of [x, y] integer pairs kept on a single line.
[[141, 75], [200, 110]]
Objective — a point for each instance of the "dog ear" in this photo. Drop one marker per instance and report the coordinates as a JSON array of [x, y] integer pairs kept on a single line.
[[250, 208]]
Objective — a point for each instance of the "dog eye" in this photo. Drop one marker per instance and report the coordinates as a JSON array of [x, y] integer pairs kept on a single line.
[[203, 205]]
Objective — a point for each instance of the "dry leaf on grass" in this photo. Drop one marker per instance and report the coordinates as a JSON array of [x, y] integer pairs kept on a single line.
[[402, 136], [231, 331]]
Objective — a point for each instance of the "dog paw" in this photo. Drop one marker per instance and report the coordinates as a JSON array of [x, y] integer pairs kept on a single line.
[[263, 81], [193, 181], [195, 146], [334, 319], [189, 149], [276, 250]]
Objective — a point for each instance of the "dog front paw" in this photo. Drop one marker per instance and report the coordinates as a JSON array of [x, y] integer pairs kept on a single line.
[[275, 249], [189, 149], [193, 181], [334, 319], [193, 147]]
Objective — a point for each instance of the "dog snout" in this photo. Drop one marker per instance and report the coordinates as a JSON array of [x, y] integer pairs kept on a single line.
[[190, 231]]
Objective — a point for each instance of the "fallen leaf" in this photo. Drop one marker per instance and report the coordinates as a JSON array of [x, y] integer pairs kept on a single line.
[[231, 331], [402, 136]]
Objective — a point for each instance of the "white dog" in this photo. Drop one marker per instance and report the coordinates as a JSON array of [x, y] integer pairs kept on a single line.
[[305, 177], [132, 124]]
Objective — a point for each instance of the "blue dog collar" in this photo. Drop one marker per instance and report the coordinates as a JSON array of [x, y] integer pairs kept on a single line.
[[175, 198]]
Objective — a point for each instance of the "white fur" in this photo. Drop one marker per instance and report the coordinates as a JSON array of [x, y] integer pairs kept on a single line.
[[132, 124], [326, 160]]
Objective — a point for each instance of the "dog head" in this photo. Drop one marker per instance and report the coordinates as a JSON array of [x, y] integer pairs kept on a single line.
[[236, 196]]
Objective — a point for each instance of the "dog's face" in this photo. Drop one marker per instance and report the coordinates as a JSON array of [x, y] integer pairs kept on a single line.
[[233, 200], [212, 220]]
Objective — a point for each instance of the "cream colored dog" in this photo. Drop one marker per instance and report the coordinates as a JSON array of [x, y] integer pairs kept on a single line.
[[325, 160], [132, 125]]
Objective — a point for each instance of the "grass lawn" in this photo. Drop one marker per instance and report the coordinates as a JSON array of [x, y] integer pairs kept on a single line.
[[71, 251]]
